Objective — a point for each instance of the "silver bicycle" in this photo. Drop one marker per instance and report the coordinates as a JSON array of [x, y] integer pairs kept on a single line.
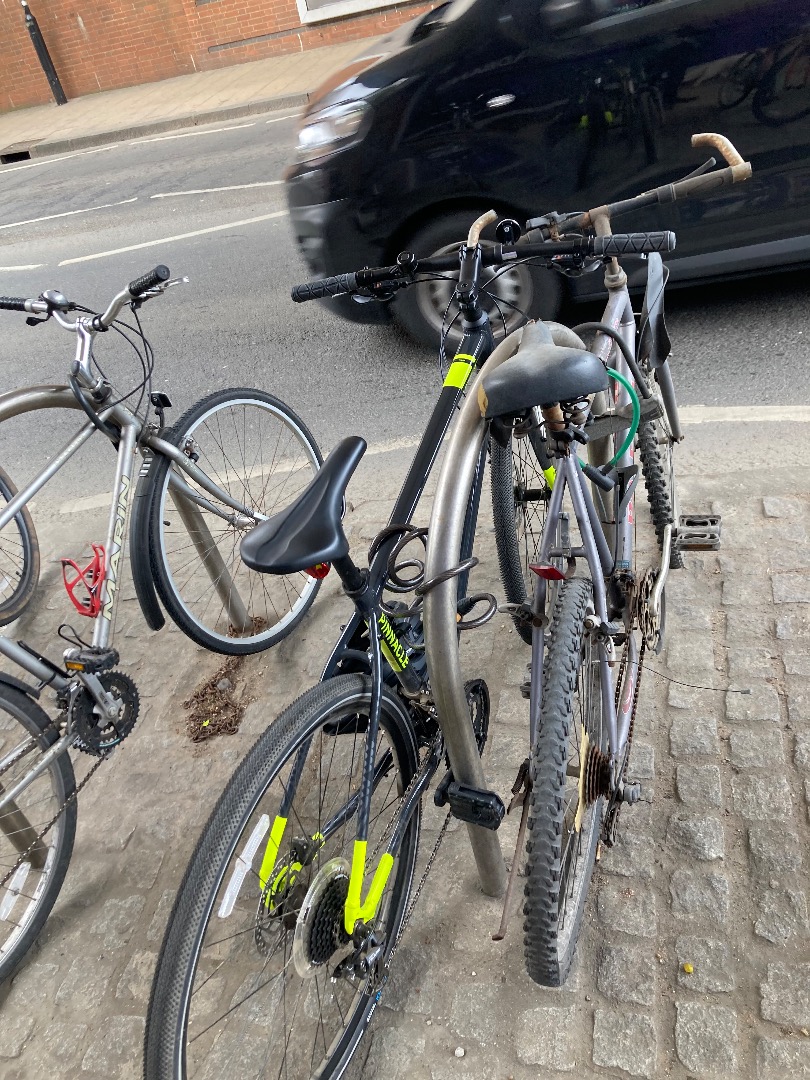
[[232, 460]]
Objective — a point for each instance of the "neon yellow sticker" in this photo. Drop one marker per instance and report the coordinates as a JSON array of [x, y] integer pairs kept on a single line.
[[460, 370]]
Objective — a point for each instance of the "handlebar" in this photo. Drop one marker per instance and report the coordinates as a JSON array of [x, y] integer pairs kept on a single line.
[[402, 274], [51, 303], [694, 185]]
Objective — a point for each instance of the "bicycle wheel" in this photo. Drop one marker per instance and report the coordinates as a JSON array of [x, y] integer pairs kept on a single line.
[[19, 558], [520, 494], [655, 448], [783, 96], [243, 984], [565, 813], [253, 446], [32, 867]]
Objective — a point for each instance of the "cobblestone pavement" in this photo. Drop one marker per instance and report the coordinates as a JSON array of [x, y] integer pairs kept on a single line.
[[694, 958]]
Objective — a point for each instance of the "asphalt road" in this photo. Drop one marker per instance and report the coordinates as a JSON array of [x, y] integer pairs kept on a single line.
[[67, 223]]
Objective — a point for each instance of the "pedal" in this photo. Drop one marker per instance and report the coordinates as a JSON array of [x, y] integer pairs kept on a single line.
[[699, 532], [90, 660], [631, 793], [469, 804]]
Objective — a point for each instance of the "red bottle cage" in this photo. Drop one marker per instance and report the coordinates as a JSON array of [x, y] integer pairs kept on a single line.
[[87, 580]]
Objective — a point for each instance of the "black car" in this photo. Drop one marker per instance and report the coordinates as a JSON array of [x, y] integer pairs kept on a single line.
[[528, 106]]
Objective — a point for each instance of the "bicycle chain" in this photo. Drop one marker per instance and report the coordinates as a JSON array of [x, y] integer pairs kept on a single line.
[[52, 822]]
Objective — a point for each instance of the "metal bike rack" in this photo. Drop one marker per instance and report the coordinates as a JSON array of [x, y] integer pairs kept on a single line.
[[441, 636]]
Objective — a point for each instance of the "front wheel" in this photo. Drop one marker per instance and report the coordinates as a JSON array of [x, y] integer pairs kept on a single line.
[[508, 296], [568, 765], [244, 983], [33, 858], [254, 447], [19, 557]]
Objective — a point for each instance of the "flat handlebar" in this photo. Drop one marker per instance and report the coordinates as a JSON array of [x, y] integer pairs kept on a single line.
[[47, 305], [402, 274]]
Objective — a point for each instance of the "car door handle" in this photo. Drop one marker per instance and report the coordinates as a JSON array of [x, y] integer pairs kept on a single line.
[[500, 101]]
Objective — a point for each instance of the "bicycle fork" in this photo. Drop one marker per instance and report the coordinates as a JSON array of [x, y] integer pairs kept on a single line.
[[359, 911]]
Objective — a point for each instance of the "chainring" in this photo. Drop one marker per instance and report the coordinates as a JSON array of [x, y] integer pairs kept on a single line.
[[650, 624], [99, 736]]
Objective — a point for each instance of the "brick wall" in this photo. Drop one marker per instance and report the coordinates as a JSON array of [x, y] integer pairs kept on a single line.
[[104, 44]]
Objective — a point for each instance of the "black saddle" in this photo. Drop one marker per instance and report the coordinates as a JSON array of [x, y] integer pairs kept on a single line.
[[310, 530], [541, 373]]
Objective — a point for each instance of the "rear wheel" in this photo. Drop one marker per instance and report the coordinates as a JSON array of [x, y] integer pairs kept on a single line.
[[32, 867], [522, 292], [655, 448], [255, 448], [19, 557], [567, 769], [244, 983], [520, 495]]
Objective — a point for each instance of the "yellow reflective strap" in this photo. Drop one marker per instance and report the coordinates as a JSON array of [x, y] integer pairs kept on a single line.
[[550, 474], [460, 370], [271, 851]]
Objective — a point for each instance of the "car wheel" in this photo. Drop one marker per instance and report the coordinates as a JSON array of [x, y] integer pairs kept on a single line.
[[528, 290]]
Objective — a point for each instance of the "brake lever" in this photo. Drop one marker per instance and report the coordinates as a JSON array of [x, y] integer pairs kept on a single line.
[[700, 170], [157, 290]]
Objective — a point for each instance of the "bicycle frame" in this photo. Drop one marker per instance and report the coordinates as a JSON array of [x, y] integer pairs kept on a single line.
[[133, 434]]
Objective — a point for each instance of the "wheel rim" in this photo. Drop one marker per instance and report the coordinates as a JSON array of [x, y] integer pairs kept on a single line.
[[39, 803], [514, 287], [530, 488], [245, 998], [15, 556], [588, 739], [257, 453]]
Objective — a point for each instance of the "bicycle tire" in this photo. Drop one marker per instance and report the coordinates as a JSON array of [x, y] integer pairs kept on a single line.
[[272, 606], [657, 469], [553, 915], [516, 478], [768, 92], [16, 708], [328, 711], [19, 558]]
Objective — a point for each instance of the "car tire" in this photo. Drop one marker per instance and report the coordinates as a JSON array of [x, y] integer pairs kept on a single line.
[[536, 291]]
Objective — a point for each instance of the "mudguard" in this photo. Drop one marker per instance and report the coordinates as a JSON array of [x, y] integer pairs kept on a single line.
[[654, 345], [139, 556]]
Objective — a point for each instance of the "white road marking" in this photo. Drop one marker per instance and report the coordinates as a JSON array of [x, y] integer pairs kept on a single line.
[[55, 160], [172, 239], [190, 134], [211, 190], [278, 119], [29, 266], [743, 414], [68, 213]]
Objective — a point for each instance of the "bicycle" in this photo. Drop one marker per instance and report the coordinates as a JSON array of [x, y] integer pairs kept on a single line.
[[575, 779], [300, 887], [204, 482]]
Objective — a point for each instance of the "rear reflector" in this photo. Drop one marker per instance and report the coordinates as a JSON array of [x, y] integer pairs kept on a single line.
[[319, 570], [545, 570]]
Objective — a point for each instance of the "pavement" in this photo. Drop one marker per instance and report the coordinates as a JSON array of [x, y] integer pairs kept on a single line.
[[278, 82], [694, 958]]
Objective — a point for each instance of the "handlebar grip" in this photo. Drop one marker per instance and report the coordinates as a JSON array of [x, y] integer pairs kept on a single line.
[[633, 243], [148, 281], [720, 143], [702, 185], [12, 303], [331, 286]]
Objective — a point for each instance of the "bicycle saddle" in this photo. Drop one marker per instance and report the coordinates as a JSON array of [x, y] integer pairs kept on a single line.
[[540, 373], [310, 530]]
